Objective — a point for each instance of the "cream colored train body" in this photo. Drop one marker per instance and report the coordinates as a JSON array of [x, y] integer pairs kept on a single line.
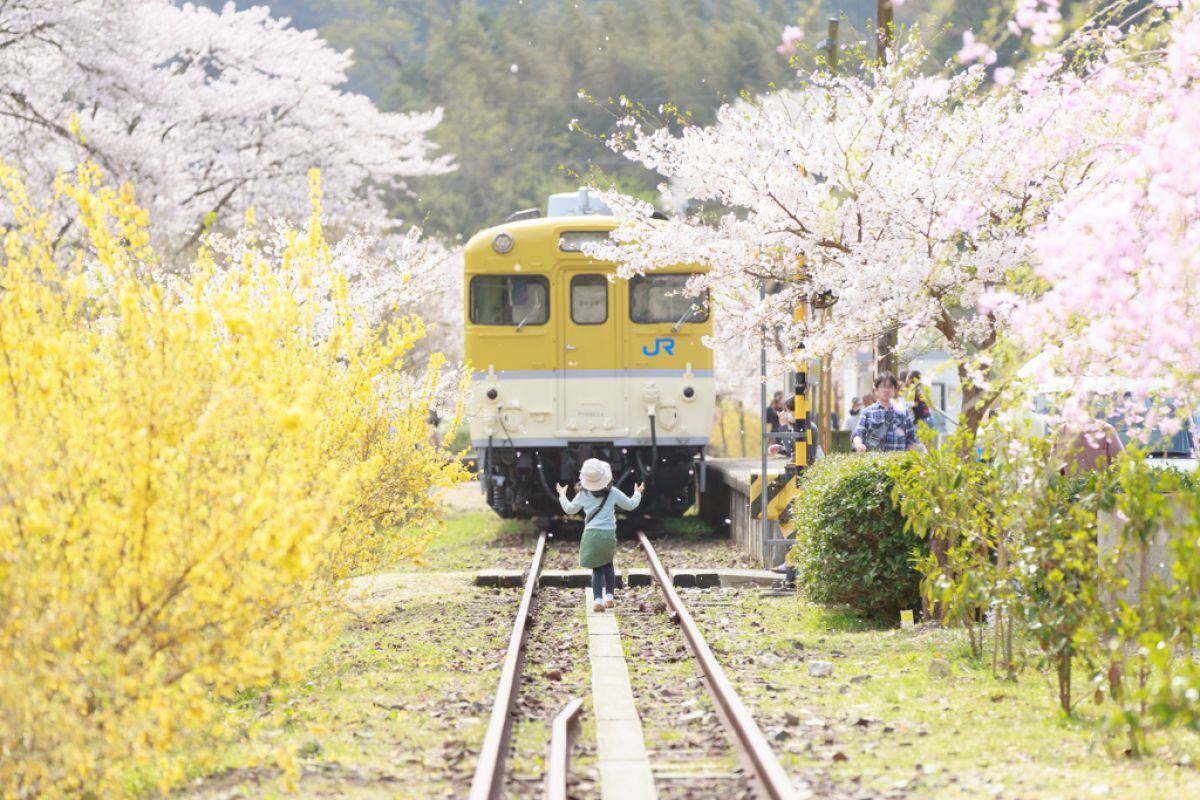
[[570, 363]]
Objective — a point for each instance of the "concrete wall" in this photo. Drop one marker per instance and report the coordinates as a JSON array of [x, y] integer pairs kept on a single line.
[[1139, 568], [725, 505]]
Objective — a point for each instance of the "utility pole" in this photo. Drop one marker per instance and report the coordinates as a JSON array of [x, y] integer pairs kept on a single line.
[[831, 46], [764, 483], [824, 393], [886, 343], [884, 27], [803, 421]]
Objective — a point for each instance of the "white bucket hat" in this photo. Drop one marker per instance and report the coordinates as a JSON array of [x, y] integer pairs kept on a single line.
[[595, 475]]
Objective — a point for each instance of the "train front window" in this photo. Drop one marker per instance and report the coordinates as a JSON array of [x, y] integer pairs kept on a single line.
[[510, 300], [589, 299], [661, 298]]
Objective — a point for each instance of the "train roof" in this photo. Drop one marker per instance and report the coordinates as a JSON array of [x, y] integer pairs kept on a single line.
[[540, 228]]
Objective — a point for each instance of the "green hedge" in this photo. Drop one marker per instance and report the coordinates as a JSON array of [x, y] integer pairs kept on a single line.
[[851, 547]]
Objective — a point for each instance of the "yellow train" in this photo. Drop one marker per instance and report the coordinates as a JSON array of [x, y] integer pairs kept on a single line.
[[570, 363]]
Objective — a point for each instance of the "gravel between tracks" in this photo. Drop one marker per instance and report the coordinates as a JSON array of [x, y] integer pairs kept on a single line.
[[556, 670], [688, 747], [511, 551]]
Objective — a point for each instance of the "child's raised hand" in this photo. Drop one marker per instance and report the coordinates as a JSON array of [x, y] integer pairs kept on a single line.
[[562, 489], [638, 488]]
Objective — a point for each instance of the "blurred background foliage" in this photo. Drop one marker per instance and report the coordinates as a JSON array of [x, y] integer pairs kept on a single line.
[[508, 74]]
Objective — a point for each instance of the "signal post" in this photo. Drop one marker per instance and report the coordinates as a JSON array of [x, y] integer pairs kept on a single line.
[[776, 505]]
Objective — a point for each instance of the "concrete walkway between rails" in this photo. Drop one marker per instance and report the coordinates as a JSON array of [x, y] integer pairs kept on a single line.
[[624, 767]]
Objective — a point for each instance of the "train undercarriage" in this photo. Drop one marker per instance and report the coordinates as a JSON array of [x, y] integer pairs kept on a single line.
[[519, 482]]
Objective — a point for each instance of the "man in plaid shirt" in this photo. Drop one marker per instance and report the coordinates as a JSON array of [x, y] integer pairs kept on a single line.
[[882, 426]]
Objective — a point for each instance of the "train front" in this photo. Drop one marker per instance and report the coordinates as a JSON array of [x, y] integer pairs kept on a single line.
[[569, 364]]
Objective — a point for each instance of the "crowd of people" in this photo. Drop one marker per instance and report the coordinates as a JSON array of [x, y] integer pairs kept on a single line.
[[884, 419]]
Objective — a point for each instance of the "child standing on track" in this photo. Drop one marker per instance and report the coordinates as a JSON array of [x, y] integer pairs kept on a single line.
[[598, 498]]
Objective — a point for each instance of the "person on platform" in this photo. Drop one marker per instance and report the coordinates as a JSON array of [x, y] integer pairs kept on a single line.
[[1085, 446], [596, 496], [1078, 450], [773, 423], [787, 447], [885, 426], [921, 412], [852, 413]]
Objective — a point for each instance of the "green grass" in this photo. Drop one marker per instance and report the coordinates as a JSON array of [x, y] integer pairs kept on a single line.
[[687, 527], [396, 697], [969, 736], [466, 542]]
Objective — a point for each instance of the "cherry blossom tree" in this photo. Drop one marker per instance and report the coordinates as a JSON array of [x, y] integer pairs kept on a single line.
[[1121, 253], [206, 114], [903, 197]]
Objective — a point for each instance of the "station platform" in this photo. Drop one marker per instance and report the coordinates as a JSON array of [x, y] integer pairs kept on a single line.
[[725, 505]]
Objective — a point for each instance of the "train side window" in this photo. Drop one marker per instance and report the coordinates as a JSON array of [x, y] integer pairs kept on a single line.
[[661, 298], [510, 300], [589, 299]]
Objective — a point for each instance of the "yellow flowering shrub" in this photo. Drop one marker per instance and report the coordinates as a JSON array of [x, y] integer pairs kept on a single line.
[[191, 467]]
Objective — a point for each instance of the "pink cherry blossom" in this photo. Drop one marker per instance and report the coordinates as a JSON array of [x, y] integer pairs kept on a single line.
[[974, 50], [792, 36], [1121, 252]]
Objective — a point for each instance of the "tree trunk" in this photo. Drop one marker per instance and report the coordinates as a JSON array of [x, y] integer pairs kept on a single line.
[[973, 404], [742, 426], [721, 428], [1064, 681], [973, 401], [1001, 620]]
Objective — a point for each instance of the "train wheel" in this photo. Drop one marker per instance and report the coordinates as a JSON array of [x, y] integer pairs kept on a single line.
[[499, 500]]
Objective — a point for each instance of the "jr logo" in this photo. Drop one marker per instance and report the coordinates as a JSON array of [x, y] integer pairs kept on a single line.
[[664, 345]]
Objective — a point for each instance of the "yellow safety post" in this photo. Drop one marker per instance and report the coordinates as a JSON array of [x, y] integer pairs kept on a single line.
[[780, 491], [803, 421]]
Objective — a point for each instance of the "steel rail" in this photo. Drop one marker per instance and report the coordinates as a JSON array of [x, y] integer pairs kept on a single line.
[[558, 758], [768, 772], [489, 771]]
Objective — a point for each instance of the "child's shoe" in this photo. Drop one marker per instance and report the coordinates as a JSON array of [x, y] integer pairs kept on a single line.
[[608, 601], [598, 606]]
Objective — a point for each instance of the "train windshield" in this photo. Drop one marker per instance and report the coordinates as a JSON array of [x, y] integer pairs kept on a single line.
[[589, 299], [661, 298], [510, 300]]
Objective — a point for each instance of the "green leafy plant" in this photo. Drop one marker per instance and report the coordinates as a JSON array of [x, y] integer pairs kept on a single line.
[[1077, 560], [948, 497], [1144, 634], [852, 545]]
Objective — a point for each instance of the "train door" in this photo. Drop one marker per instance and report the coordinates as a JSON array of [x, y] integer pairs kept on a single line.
[[591, 389]]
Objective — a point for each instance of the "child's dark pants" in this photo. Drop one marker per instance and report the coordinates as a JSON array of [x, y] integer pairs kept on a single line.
[[604, 579]]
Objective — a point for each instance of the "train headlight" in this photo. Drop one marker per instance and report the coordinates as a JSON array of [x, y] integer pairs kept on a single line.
[[492, 394], [689, 392], [502, 243]]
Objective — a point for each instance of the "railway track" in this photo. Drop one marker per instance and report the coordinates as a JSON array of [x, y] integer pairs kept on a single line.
[[761, 775]]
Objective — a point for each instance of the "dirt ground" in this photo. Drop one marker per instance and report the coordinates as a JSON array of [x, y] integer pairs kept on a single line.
[[465, 497]]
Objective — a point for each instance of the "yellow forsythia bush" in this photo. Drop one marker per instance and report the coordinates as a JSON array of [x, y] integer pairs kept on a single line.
[[189, 470]]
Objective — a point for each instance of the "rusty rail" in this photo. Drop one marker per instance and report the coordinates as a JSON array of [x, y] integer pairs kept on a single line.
[[489, 771], [768, 773], [558, 758]]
